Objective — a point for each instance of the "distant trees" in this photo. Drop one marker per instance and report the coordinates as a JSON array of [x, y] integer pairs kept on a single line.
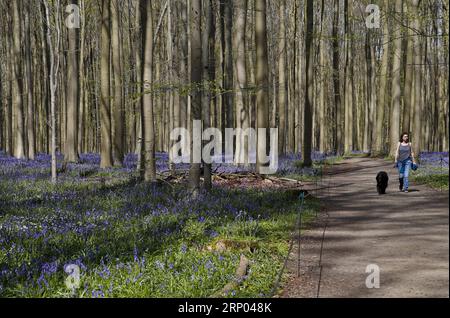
[[136, 69]]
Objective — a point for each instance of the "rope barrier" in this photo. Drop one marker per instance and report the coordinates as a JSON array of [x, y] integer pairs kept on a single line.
[[297, 230]]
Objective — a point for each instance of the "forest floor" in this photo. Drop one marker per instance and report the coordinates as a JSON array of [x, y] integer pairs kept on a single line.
[[405, 234], [135, 239]]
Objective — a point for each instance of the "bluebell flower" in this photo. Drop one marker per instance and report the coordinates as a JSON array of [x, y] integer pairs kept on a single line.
[[159, 265]]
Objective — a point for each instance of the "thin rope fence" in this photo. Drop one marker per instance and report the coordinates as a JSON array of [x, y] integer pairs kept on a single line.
[[321, 189]]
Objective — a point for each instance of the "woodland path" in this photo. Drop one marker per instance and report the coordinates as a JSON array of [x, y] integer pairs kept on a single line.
[[405, 234]]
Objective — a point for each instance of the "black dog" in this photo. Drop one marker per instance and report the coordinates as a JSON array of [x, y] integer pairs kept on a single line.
[[382, 182]]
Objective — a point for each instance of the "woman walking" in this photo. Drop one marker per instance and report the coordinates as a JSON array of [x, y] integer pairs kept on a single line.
[[404, 158]]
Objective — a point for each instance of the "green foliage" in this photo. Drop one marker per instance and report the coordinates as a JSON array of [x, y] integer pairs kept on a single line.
[[138, 241], [436, 181]]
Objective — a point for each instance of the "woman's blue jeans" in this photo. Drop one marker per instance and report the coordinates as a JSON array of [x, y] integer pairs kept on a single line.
[[403, 169]]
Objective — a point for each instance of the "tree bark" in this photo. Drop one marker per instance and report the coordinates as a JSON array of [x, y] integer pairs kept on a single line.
[[240, 83], [73, 95], [262, 80], [29, 81], [105, 105], [19, 127], [196, 82], [394, 131], [282, 80], [117, 109], [148, 123], [307, 134]]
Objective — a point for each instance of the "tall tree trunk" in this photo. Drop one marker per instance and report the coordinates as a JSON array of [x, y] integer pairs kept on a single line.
[[170, 76], [105, 105], [73, 93], [382, 91], [309, 96], [262, 80], [29, 80], [9, 93], [394, 131], [418, 69], [409, 76], [282, 80], [54, 70], [140, 24], [208, 77], [228, 63], [196, 82], [323, 85], [117, 108], [240, 84], [148, 123], [348, 94], [338, 145], [19, 127], [82, 105]]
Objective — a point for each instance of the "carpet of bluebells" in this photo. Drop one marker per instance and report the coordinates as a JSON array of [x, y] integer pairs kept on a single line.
[[433, 170], [133, 239]]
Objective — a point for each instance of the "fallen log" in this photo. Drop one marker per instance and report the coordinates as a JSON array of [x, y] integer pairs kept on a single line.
[[241, 271]]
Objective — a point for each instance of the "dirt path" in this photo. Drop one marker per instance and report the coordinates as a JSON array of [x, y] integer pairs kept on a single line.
[[405, 234]]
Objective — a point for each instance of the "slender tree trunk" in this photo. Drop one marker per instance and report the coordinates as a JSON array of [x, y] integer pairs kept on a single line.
[[9, 104], [19, 127], [208, 77], [396, 91], [282, 80], [240, 84], [54, 69], [323, 85], [105, 105], [307, 134], [29, 80], [382, 91], [336, 82], [262, 80], [409, 76], [228, 63], [148, 123], [348, 94], [73, 95], [196, 81], [418, 69], [117, 108]]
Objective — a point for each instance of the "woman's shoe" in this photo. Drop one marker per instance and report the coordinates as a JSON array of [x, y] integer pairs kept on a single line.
[[401, 183], [406, 191]]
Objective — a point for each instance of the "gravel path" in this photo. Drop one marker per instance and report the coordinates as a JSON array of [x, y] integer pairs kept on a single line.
[[405, 234]]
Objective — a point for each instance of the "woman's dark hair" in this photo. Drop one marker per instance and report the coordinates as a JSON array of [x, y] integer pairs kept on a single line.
[[401, 136]]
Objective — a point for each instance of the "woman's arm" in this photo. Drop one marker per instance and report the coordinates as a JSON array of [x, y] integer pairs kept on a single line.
[[412, 154]]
